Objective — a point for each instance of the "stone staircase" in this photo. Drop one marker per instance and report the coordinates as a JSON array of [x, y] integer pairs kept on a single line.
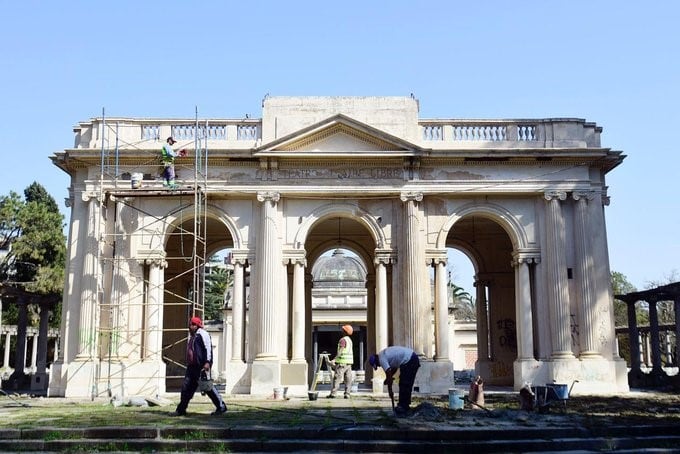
[[347, 438]]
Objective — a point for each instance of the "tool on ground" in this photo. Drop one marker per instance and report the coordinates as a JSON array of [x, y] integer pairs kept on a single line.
[[2, 391], [488, 410], [391, 393]]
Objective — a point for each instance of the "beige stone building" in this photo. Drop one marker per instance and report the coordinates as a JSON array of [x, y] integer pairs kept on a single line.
[[523, 199]]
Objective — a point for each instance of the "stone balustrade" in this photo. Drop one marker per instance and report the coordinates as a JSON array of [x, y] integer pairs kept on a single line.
[[32, 333], [539, 133], [126, 133]]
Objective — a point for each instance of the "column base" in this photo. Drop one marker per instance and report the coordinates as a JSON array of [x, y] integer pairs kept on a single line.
[[434, 377], [265, 375], [527, 371]]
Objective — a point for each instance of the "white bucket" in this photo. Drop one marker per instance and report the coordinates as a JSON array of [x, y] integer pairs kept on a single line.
[[136, 180], [455, 402], [278, 393]]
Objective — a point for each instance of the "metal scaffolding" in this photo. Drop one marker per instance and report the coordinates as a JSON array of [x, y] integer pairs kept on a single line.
[[113, 303]]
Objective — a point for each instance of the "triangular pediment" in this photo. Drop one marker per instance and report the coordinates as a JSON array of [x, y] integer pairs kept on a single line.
[[338, 135]]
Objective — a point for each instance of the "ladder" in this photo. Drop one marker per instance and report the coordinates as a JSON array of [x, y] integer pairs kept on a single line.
[[323, 358]]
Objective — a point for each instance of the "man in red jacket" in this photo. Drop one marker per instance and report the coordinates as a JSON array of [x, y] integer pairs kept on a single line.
[[199, 360]]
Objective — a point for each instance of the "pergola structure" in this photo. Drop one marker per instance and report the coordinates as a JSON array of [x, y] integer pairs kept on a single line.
[[657, 376], [19, 380]]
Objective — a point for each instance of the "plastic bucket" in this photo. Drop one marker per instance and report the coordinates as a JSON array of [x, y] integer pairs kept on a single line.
[[136, 180], [278, 393], [313, 395], [455, 402]]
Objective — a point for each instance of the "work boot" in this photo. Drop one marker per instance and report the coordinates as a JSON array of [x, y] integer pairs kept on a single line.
[[219, 411], [346, 396], [331, 396], [177, 413], [400, 412]]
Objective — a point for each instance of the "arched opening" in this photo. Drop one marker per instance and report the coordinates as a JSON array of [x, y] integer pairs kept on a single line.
[[490, 249], [340, 289], [462, 302], [191, 260]]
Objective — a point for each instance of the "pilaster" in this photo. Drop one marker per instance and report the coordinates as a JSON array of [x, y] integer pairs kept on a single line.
[[557, 276]]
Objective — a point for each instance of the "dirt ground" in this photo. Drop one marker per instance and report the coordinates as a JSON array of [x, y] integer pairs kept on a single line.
[[635, 407]]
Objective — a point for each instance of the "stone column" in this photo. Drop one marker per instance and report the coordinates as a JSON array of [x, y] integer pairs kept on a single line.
[[89, 291], [5, 358], [237, 310], [34, 353], [482, 321], [39, 380], [655, 339], [441, 311], [676, 306], [154, 313], [381, 339], [414, 295], [267, 259], [585, 275], [20, 357], [633, 338], [557, 277], [298, 354], [523, 308]]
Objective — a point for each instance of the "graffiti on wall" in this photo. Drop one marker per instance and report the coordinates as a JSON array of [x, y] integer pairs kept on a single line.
[[508, 335]]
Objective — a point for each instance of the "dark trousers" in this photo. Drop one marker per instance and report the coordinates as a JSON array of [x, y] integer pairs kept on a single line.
[[407, 377], [189, 386]]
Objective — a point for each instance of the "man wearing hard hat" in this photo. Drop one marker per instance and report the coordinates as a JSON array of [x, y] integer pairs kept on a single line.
[[343, 363]]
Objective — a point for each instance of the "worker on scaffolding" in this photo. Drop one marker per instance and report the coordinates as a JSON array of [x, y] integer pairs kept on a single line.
[[168, 156]]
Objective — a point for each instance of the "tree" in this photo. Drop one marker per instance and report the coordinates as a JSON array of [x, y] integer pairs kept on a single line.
[[621, 286], [31, 233], [666, 309], [217, 284], [462, 302]]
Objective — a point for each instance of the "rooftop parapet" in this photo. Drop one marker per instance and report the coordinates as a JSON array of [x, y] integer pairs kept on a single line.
[[243, 134]]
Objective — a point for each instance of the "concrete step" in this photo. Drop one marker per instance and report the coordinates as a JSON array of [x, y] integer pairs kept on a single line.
[[345, 439]]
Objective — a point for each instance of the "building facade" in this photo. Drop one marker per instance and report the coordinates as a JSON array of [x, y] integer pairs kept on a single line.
[[523, 199]]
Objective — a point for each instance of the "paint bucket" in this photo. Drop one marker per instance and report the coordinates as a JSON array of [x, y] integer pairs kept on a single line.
[[455, 402], [136, 180], [313, 395], [355, 387], [278, 393]]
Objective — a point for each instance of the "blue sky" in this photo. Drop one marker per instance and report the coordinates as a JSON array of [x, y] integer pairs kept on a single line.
[[610, 62]]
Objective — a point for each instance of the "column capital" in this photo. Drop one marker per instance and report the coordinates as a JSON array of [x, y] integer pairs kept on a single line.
[[519, 257], [151, 257], [238, 257], [559, 195], [295, 256], [438, 258], [295, 261], [271, 196], [157, 261], [383, 256], [586, 196], [411, 196], [86, 196]]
